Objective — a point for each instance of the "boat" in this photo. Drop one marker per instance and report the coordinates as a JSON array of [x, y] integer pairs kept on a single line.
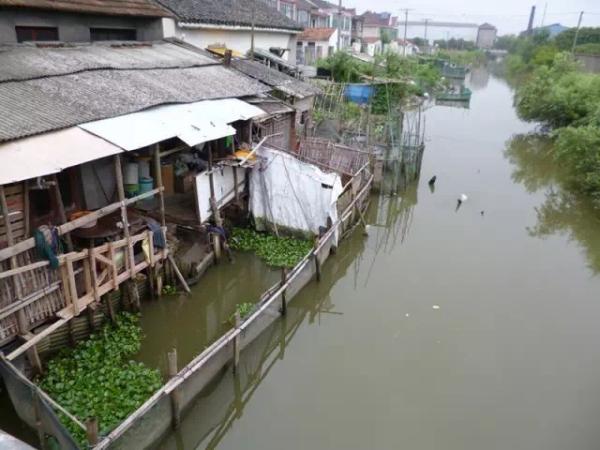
[[462, 95]]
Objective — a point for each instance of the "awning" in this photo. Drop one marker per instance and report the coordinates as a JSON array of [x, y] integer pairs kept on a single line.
[[193, 123], [50, 153]]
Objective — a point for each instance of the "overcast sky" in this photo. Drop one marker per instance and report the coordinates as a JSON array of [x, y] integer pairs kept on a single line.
[[509, 16]]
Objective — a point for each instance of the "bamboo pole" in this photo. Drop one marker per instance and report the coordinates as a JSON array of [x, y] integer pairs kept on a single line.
[[61, 210], [130, 259], [179, 275], [213, 203]]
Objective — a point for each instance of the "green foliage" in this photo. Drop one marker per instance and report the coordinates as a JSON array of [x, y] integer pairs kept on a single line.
[[344, 68], [588, 49], [277, 252], [507, 42], [560, 95], [463, 57], [244, 309], [578, 151], [96, 379], [587, 35], [455, 44], [169, 290]]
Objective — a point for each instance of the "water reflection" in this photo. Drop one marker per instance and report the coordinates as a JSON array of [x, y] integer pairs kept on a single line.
[[479, 77], [563, 210], [224, 400]]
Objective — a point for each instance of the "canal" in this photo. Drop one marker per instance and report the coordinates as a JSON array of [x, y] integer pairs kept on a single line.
[[444, 328], [469, 328]]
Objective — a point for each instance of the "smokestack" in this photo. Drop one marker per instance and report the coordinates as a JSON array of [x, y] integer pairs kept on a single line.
[[531, 17]]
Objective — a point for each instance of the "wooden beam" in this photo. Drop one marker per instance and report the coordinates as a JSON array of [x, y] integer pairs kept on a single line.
[[159, 184], [129, 257], [179, 275], [61, 210]]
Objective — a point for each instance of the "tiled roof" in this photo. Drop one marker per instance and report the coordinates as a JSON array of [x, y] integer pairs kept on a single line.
[[61, 91], [276, 79], [230, 12], [147, 8], [316, 34]]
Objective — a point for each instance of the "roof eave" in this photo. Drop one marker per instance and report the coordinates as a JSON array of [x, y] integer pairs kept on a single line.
[[235, 27]]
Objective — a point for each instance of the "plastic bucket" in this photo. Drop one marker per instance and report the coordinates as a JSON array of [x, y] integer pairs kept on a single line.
[[146, 185], [144, 167], [131, 174], [131, 190]]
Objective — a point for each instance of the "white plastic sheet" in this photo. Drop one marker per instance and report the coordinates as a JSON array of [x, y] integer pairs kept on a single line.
[[293, 194]]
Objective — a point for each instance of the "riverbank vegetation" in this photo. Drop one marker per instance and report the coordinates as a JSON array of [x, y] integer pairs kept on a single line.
[[97, 379], [566, 101]]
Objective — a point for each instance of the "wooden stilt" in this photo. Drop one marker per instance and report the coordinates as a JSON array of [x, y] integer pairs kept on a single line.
[[61, 211], [26, 213], [129, 257], [91, 431], [37, 409], [213, 204], [34, 358], [283, 294], [179, 275], [175, 394], [72, 340], [109, 308], [236, 343]]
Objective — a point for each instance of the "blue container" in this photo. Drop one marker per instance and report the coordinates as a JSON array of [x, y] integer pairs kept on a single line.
[[359, 93], [146, 184]]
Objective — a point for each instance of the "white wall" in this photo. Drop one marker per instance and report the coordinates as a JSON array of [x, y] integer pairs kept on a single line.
[[238, 39], [310, 59]]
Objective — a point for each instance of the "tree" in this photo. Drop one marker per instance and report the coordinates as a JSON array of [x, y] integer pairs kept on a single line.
[[587, 35]]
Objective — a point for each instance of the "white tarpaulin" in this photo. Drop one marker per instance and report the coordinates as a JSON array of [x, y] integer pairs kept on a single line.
[[50, 153], [193, 123], [223, 180], [292, 194]]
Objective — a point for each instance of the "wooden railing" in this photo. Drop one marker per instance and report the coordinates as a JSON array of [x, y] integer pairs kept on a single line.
[[102, 269]]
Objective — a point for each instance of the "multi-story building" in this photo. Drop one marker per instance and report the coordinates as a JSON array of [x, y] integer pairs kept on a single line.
[[81, 21], [374, 31], [486, 36]]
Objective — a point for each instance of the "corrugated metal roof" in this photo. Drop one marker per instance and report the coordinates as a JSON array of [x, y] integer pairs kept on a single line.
[[193, 123], [54, 102], [278, 80], [26, 62], [146, 8], [23, 159]]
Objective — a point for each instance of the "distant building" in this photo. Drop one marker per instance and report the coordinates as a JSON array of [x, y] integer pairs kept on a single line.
[[486, 36], [435, 31], [80, 21], [374, 31], [553, 29], [228, 23], [316, 43]]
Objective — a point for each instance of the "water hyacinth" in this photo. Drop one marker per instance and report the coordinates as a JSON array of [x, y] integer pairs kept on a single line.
[[96, 379], [275, 251]]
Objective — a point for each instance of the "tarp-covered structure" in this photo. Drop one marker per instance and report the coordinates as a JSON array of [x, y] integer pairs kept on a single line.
[[292, 195]]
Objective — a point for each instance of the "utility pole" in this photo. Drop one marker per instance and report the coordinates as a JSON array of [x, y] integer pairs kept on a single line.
[[339, 26], [406, 10], [544, 14], [577, 32], [252, 30]]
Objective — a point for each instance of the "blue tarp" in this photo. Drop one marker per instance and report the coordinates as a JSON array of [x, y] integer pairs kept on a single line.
[[359, 93]]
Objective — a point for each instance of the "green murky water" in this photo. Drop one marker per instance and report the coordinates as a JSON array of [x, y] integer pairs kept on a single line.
[[443, 328]]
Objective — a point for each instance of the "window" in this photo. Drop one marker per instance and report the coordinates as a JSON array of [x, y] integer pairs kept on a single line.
[[25, 34], [288, 10], [113, 34]]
